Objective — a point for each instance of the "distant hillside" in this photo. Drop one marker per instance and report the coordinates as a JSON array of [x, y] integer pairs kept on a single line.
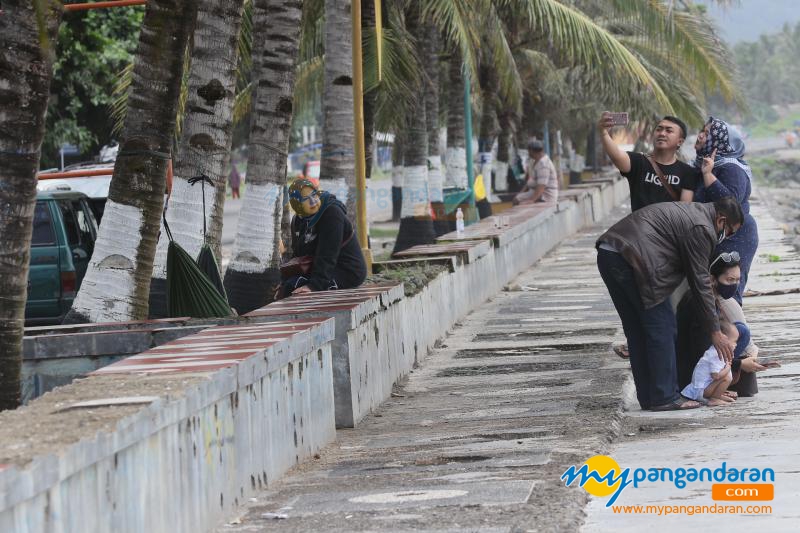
[[752, 18]]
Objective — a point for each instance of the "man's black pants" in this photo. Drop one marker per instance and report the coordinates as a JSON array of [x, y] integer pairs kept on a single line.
[[650, 332]]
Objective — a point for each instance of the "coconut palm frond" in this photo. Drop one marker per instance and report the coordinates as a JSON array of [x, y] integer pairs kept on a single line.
[[581, 41], [680, 80], [119, 99], [402, 69], [245, 44], [242, 103], [402, 73], [312, 31], [533, 60], [184, 94], [688, 34], [708, 55], [499, 49], [309, 83], [459, 21], [401, 66]]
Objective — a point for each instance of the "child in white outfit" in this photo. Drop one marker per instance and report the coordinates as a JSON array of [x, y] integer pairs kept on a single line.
[[712, 375]]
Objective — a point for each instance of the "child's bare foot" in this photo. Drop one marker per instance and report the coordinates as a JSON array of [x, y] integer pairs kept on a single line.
[[719, 402], [727, 398], [731, 394]]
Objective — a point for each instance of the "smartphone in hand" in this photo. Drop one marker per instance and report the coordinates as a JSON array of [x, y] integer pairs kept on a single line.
[[619, 119]]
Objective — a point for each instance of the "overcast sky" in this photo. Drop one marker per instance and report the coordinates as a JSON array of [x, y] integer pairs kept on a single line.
[[751, 18]]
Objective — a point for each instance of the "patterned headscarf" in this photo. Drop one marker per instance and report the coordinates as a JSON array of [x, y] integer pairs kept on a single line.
[[296, 200], [727, 141]]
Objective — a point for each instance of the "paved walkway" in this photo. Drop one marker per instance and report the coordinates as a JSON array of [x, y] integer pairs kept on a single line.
[[479, 435], [477, 438]]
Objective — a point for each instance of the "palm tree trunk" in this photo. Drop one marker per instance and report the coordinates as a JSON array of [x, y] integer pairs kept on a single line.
[[253, 272], [337, 166], [370, 98], [489, 120], [431, 48], [25, 72], [117, 282], [205, 143], [456, 156], [416, 224], [398, 174], [503, 152]]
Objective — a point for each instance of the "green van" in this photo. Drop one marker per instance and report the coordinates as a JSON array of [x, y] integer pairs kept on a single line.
[[64, 231]]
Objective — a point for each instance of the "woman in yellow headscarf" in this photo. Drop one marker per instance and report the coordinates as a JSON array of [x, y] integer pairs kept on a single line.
[[325, 252]]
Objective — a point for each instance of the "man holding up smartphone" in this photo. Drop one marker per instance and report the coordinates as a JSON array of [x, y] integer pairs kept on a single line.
[[643, 172]]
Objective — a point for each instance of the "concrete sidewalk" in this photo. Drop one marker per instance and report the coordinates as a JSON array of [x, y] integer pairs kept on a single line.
[[478, 437], [759, 432], [525, 387]]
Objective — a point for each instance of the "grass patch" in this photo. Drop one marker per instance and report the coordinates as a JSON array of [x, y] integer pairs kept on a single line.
[[414, 278], [772, 258], [771, 129], [384, 233], [775, 173]]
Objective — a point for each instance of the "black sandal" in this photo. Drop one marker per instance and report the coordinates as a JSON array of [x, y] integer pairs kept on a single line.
[[622, 351], [681, 404]]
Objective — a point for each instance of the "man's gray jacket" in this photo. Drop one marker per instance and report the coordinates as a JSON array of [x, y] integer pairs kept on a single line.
[[664, 242]]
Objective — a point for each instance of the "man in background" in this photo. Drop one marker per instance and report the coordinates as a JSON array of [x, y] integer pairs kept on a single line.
[[541, 183]]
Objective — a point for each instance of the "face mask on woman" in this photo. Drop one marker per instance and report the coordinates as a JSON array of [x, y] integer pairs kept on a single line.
[[726, 291]]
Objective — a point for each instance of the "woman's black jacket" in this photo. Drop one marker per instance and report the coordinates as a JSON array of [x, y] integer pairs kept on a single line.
[[338, 261]]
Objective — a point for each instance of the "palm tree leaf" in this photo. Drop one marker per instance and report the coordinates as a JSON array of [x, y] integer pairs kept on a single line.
[[688, 34], [581, 41], [460, 24]]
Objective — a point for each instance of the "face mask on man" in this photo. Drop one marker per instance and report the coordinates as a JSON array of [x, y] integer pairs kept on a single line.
[[721, 237], [726, 292]]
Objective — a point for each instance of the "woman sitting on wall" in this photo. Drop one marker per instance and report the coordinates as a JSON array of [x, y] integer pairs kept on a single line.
[[325, 251]]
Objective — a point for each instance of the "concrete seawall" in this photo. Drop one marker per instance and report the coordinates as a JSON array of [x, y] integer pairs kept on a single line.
[[204, 428], [218, 416]]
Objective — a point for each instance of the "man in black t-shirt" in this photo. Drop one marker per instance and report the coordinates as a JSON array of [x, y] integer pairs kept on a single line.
[[646, 187]]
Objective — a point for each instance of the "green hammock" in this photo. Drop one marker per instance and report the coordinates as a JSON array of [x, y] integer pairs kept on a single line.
[[208, 266], [189, 291], [194, 288]]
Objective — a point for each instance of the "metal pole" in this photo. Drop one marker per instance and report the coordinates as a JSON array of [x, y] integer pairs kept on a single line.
[[468, 134], [379, 37], [546, 139], [358, 120], [101, 5], [76, 173]]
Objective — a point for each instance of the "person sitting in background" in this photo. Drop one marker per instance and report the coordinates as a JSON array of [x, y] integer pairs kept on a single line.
[[324, 240], [542, 178], [712, 375]]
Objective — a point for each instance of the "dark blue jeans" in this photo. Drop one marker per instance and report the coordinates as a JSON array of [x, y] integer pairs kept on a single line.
[[650, 332]]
